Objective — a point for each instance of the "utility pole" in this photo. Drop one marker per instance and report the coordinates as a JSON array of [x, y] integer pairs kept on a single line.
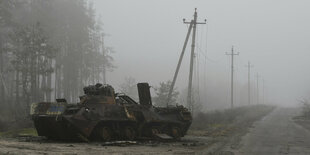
[[192, 27], [190, 78], [232, 75], [249, 81], [257, 93], [263, 91]]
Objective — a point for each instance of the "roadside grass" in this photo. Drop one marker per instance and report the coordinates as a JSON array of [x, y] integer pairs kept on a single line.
[[19, 132], [226, 122], [305, 114], [303, 118]]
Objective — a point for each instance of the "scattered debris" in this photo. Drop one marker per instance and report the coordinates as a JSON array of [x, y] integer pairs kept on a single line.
[[119, 143], [193, 144], [164, 136]]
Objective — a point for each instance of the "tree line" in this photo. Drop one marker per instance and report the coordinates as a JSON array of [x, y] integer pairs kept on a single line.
[[49, 49]]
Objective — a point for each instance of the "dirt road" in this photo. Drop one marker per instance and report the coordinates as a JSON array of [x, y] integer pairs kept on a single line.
[[197, 142], [277, 133], [188, 145]]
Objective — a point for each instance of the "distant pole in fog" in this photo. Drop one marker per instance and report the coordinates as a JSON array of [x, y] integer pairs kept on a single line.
[[257, 92], [249, 81], [263, 91], [232, 75]]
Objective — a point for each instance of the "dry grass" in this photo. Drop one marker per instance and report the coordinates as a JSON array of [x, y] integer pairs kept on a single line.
[[305, 109], [19, 132]]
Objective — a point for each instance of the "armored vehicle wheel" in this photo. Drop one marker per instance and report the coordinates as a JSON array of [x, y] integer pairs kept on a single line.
[[105, 133], [154, 131], [175, 132], [129, 133]]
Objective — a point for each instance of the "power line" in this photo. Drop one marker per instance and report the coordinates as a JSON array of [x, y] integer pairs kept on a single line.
[[199, 44], [205, 65], [197, 55]]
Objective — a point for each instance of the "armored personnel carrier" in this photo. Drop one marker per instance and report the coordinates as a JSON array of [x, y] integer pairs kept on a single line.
[[103, 115]]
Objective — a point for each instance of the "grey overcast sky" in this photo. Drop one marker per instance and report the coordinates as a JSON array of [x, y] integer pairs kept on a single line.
[[274, 35]]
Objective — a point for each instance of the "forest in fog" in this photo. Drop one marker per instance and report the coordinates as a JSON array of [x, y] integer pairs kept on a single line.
[[53, 48], [154, 77], [48, 49]]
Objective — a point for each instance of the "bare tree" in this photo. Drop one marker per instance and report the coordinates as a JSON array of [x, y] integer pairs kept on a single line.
[[129, 87], [162, 92]]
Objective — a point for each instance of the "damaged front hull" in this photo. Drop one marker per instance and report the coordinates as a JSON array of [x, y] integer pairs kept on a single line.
[[54, 127]]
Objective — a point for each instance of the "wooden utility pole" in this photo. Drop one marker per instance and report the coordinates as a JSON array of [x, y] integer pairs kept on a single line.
[[232, 75], [192, 26], [190, 78], [249, 81], [257, 93], [263, 91]]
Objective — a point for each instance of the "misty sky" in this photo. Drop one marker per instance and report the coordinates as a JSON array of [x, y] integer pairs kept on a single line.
[[273, 34]]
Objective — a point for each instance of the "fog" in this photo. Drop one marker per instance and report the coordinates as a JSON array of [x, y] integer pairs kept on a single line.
[[52, 49], [273, 35], [99, 72]]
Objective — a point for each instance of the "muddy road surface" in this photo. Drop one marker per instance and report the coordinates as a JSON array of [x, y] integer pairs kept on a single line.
[[277, 133]]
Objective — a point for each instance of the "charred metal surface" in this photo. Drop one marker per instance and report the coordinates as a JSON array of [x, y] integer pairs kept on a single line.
[[103, 115], [144, 94]]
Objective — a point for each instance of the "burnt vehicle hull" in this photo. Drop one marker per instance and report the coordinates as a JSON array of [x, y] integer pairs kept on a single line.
[[108, 116], [53, 128]]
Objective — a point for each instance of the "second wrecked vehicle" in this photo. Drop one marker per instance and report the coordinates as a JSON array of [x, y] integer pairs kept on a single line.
[[104, 115]]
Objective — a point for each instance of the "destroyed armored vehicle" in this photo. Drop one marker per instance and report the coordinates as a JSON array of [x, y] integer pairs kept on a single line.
[[103, 115]]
